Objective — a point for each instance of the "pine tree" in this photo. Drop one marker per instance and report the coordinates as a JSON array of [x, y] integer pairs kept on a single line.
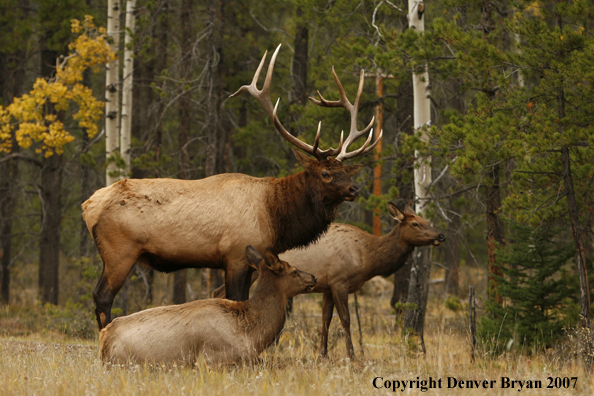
[[541, 126], [538, 291]]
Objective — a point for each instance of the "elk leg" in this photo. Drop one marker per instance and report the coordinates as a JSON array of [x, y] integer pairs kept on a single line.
[[235, 282], [247, 283], [327, 311], [220, 292], [103, 297], [341, 299], [111, 281]]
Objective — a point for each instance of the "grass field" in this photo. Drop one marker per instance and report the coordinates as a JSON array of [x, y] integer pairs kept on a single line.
[[48, 363]]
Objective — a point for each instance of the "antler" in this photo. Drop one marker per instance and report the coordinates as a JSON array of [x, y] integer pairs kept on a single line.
[[354, 110], [263, 96]]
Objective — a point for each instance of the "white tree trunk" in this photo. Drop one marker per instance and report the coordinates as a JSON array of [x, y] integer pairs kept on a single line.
[[112, 111], [126, 131], [420, 271], [422, 111]]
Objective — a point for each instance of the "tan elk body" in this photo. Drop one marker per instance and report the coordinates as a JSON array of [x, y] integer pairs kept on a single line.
[[171, 224], [346, 257], [218, 331]]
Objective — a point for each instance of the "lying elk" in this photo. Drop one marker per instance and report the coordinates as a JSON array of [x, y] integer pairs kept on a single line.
[[171, 224], [347, 257], [219, 331]]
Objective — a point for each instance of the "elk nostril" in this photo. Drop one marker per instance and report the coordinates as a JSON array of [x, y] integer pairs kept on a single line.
[[354, 190], [441, 237]]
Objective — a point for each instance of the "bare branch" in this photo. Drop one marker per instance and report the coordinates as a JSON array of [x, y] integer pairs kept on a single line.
[[373, 19], [21, 157]]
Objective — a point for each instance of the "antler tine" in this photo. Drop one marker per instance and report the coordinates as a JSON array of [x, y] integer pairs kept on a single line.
[[353, 109], [325, 103], [332, 152], [360, 89], [313, 150], [268, 79], [292, 139], [354, 134], [361, 150], [317, 141], [343, 98], [342, 102], [248, 88], [263, 97]]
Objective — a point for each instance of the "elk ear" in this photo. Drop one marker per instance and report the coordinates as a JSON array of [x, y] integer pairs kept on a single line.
[[408, 210], [352, 169], [395, 212], [252, 256], [304, 159], [272, 261]]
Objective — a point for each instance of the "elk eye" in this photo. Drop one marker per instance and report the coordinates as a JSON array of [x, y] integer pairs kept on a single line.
[[325, 174], [415, 224]]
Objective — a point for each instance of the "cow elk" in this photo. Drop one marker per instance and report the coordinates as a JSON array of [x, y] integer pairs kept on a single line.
[[346, 257], [216, 330], [171, 224]]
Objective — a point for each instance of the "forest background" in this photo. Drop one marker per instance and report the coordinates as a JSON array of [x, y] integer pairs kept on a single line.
[[511, 127]]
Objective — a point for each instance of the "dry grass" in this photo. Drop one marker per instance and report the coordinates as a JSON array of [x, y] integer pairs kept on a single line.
[[51, 364]]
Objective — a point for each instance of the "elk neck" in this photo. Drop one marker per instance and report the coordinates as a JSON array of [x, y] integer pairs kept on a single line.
[[388, 253], [299, 212], [267, 309]]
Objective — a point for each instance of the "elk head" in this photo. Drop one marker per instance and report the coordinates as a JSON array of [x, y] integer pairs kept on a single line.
[[329, 172], [414, 229], [290, 280], [332, 176]]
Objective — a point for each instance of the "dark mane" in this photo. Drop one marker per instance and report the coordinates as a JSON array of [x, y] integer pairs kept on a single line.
[[300, 216]]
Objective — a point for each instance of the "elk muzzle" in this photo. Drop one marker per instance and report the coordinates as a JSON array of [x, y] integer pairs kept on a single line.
[[352, 193], [440, 238], [310, 280]]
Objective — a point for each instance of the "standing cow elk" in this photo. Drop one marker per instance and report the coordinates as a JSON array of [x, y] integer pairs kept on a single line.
[[171, 224], [346, 257], [216, 330]]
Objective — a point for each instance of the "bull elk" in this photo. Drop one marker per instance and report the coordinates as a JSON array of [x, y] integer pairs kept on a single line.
[[171, 224], [346, 257], [217, 330]]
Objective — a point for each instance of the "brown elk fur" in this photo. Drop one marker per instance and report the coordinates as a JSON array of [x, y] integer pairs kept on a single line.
[[346, 257], [171, 224], [216, 330]]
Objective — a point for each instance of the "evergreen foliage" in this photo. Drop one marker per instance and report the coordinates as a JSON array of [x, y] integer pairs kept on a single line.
[[538, 290]]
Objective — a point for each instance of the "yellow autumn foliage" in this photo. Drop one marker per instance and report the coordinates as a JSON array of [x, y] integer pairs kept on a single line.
[[33, 117], [5, 131]]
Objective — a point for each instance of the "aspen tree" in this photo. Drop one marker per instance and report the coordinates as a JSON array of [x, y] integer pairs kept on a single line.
[[126, 128], [419, 282], [112, 88]]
